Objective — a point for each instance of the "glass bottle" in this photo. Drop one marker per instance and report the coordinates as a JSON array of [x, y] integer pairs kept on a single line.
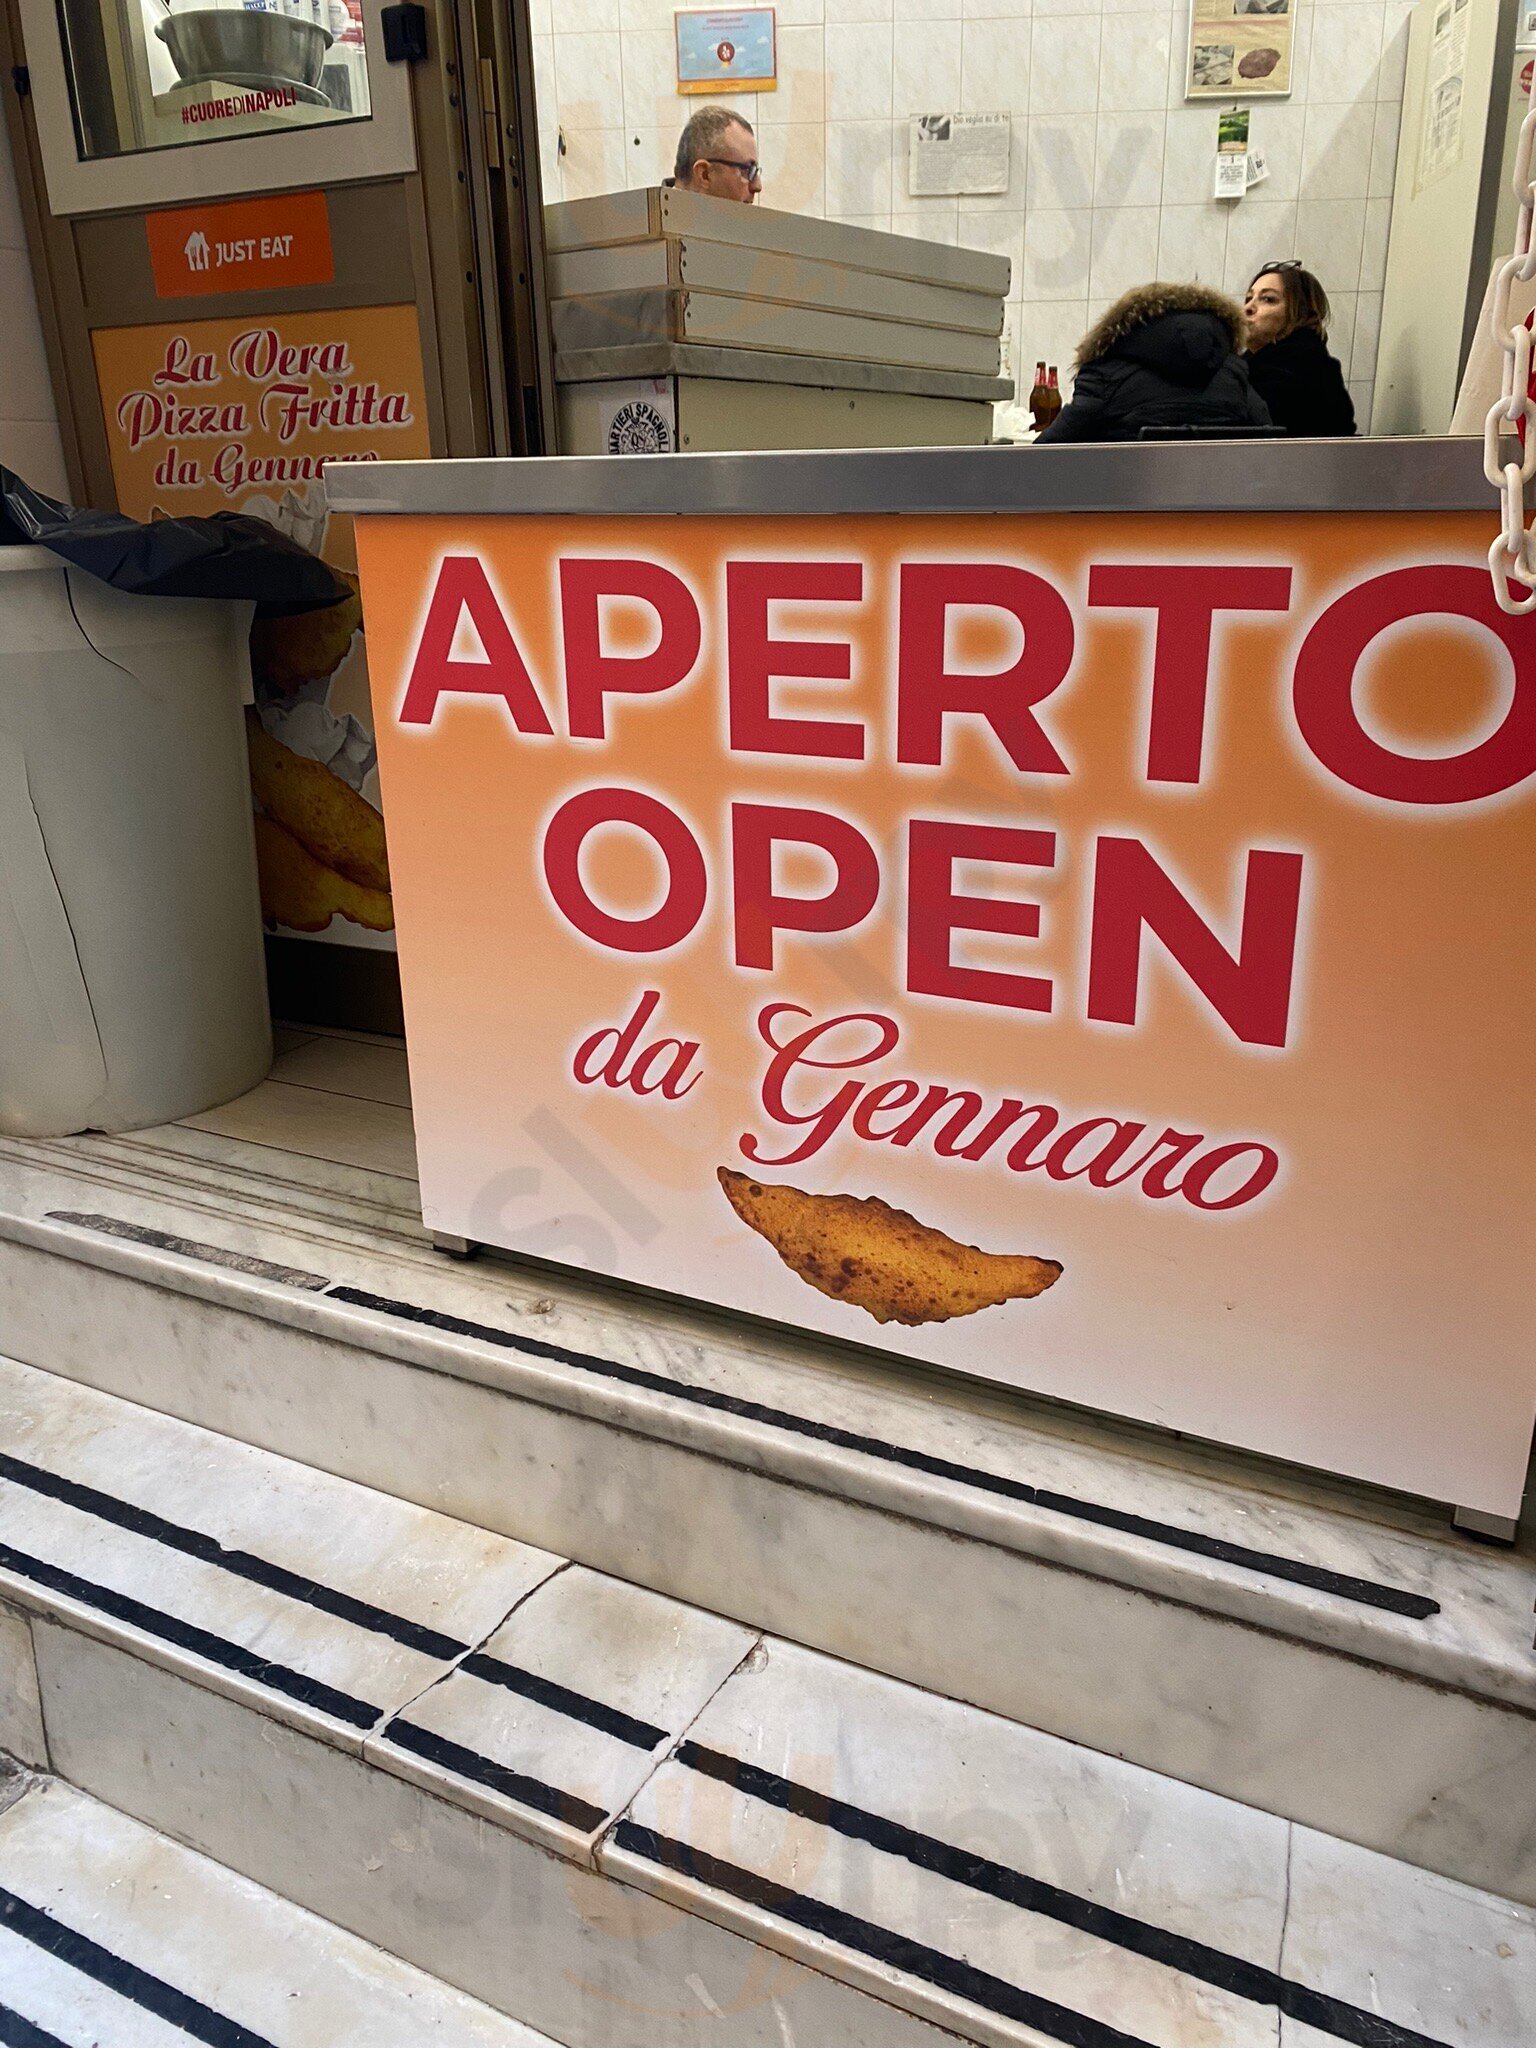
[[1039, 398]]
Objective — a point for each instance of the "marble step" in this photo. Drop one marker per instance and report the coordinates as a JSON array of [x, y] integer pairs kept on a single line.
[[416, 1730], [1336, 1657], [113, 1936], [630, 1823]]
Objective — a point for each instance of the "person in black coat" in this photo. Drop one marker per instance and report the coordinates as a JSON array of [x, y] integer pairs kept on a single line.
[[1164, 355], [1286, 311]]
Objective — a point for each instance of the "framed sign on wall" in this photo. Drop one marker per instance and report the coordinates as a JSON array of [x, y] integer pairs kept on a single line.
[[1240, 47], [732, 50]]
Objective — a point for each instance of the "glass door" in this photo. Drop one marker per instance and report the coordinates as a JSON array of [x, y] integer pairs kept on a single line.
[[142, 102]]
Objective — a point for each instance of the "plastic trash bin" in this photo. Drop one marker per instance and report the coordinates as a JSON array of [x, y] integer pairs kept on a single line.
[[132, 983]]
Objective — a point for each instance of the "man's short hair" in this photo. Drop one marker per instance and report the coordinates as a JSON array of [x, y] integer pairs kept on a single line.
[[702, 137]]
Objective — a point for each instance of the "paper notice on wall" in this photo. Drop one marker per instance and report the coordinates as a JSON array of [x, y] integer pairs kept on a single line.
[[1232, 154], [1231, 177], [957, 153], [1444, 89]]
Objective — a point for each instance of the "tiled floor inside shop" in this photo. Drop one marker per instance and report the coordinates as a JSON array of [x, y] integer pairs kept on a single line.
[[336, 1096]]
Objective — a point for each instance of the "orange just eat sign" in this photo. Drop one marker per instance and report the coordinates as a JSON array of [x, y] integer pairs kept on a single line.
[[244, 245], [789, 907]]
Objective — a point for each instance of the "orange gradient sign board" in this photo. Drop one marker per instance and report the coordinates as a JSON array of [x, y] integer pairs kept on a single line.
[[789, 908]]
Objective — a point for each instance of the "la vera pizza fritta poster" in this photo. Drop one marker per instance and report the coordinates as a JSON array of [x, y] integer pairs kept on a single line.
[[1087, 953], [241, 415]]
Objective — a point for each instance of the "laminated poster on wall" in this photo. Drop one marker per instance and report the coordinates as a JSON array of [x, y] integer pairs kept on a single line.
[[726, 51], [240, 415], [1239, 46]]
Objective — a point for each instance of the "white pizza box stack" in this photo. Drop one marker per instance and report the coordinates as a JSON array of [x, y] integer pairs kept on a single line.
[[684, 321]]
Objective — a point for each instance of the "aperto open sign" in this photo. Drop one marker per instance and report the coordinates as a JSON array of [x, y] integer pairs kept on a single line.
[[1086, 953]]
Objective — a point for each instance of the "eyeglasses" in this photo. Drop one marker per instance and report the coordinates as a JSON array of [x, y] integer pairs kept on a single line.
[[750, 171]]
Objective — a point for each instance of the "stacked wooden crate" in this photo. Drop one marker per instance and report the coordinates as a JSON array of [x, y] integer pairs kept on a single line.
[[749, 328]]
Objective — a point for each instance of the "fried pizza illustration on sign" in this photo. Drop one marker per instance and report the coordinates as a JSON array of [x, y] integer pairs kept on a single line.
[[858, 1249]]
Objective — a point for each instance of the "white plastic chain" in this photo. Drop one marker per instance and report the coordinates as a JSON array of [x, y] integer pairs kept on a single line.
[[1512, 558]]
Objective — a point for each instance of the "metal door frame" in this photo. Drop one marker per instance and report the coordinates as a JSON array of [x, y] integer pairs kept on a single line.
[[475, 222], [506, 193]]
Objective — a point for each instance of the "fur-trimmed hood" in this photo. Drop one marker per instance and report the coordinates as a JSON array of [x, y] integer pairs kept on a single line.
[[1195, 323]]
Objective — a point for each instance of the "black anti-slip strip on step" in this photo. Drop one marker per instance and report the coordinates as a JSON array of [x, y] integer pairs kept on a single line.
[[577, 1813], [190, 1248], [207, 1549], [277, 1578], [897, 1951], [176, 2008], [576, 1706], [1033, 1895], [309, 1692], [16, 2032], [1393, 1599], [1344, 1585]]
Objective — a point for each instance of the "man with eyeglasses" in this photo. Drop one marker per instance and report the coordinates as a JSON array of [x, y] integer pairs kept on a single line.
[[716, 156]]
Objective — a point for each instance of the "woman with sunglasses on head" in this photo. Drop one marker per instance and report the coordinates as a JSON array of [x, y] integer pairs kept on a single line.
[[1289, 366]]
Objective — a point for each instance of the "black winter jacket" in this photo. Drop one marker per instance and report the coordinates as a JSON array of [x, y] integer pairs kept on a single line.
[[1302, 385], [1164, 355]]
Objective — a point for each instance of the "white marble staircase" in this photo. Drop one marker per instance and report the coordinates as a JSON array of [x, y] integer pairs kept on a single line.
[[299, 1762], [113, 1936], [1336, 1658]]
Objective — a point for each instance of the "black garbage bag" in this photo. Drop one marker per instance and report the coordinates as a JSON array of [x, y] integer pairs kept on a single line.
[[222, 555]]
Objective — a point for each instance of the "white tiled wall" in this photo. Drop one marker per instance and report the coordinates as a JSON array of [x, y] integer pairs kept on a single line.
[[29, 433], [1112, 169]]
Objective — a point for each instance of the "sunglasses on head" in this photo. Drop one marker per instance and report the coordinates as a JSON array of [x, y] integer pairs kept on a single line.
[[1280, 263]]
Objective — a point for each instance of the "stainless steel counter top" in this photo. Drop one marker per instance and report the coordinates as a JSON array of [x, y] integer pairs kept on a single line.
[[1439, 475]]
